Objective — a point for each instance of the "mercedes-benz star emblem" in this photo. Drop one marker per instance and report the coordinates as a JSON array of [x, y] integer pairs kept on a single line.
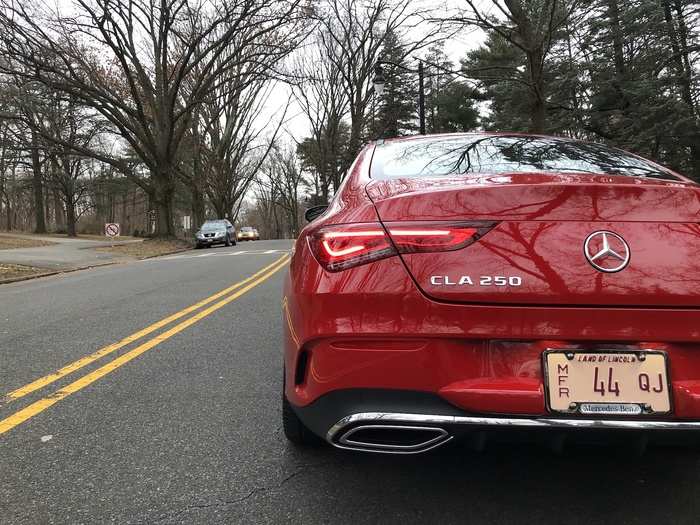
[[607, 251]]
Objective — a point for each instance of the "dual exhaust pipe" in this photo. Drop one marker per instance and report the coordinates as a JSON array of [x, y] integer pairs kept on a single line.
[[390, 439]]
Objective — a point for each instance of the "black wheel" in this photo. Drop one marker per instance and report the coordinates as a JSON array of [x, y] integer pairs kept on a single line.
[[197, 246], [233, 241], [228, 241], [294, 430]]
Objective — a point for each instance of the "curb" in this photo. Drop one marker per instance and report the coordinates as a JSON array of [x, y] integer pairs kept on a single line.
[[56, 272], [71, 270]]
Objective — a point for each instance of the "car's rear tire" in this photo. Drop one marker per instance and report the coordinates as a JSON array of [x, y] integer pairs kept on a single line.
[[294, 430]]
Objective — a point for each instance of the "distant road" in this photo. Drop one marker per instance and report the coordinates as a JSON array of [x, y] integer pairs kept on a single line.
[[150, 393]]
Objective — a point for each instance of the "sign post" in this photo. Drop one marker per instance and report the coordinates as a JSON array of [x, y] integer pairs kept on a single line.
[[152, 216]]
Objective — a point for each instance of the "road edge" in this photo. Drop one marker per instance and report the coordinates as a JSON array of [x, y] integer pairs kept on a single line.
[[56, 272]]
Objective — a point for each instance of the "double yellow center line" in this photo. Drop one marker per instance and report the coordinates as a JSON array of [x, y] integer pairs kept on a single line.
[[35, 408]]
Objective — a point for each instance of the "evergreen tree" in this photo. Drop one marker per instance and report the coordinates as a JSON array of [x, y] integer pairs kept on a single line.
[[499, 69], [638, 83], [449, 104], [625, 73], [395, 110]]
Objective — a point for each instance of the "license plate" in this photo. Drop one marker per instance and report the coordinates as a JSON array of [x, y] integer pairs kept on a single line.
[[607, 383]]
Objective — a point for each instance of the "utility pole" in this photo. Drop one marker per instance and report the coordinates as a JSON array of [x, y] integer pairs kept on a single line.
[[379, 81], [421, 97]]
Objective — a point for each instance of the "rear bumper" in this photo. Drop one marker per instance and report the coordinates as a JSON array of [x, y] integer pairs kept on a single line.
[[371, 330], [489, 377], [420, 422], [208, 242]]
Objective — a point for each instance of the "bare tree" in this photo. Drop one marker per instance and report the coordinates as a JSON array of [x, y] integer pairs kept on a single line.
[[228, 133], [129, 60], [19, 101], [266, 204], [352, 35], [321, 96], [8, 162], [284, 178], [236, 152], [70, 128]]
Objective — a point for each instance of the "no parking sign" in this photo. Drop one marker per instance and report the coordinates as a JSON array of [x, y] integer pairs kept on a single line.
[[112, 229]]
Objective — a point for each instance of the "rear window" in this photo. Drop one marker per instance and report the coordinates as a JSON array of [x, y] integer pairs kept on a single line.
[[213, 225], [246, 229], [449, 156]]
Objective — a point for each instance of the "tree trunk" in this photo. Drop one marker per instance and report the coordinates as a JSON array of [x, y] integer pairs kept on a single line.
[[324, 189], [357, 123], [616, 30], [683, 40], [164, 215], [58, 210], [38, 187], [70, 216], [219, 208], [124, 215], [162, 200], [618, 53], [47, 208], [538, 109], [682, 79], [134, 217], [294, 221], [695, 154], [198, 208], [538, 117], [8, 210]]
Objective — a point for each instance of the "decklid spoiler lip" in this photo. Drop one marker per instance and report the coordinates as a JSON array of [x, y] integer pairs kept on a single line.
[[536, 196]]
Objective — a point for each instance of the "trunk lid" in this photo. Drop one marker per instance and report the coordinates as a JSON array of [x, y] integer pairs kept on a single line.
[[549, 230]]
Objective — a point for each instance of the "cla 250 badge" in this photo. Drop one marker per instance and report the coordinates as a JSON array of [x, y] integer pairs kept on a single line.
[[482, 280]]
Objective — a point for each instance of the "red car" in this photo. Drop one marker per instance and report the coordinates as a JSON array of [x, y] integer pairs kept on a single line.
[[470, 283]]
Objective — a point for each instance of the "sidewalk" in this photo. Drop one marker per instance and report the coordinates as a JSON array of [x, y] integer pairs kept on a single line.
[[63, 253]]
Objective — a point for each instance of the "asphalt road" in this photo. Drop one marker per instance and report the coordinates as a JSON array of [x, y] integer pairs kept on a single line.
[[185, 428]]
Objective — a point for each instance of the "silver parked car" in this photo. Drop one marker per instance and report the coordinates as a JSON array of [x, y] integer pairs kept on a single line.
[[215, 232]]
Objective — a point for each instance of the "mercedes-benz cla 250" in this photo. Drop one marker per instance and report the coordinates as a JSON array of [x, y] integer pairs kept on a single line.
[[464, 284]]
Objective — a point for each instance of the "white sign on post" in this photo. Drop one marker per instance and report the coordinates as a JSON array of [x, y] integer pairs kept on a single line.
[[112, 229]]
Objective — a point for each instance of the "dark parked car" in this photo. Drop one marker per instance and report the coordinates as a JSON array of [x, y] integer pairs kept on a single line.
[[215, 232]]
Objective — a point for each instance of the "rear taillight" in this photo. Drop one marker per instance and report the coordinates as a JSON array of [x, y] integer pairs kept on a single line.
[[343, 246], [414, 237]]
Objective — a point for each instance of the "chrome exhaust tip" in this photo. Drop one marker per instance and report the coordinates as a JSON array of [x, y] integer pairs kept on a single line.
[[390, 439]]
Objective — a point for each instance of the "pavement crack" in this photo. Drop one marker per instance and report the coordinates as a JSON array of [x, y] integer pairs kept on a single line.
[[237, 501]]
